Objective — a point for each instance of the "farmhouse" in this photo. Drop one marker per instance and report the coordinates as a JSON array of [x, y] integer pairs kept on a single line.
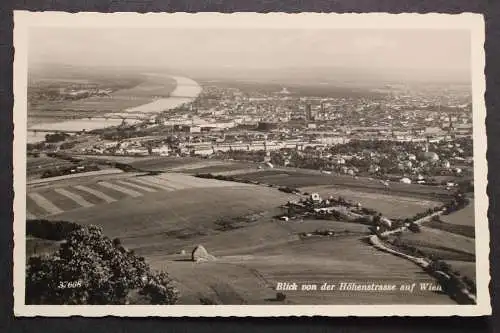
[[405, 180], [315, 198]]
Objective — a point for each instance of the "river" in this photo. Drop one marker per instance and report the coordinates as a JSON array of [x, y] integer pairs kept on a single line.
[[185, 92]]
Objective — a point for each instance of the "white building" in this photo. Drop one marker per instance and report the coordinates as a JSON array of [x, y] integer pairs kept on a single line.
[[162, 150], [137, 151], [405, 180]]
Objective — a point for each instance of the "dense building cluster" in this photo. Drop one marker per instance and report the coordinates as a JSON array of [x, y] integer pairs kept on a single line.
[[410, 134]]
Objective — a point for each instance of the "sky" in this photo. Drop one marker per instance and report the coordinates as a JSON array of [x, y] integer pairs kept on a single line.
[[407, 52]]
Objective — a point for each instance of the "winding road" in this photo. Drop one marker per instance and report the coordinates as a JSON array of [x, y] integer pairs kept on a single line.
[[377, 243]]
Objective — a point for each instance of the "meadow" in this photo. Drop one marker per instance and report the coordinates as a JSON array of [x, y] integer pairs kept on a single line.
[[463, 217], [306, 178], [390, 205], [175, 212], [441, 244]]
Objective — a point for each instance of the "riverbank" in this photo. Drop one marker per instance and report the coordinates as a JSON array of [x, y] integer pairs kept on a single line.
[[185, 92]]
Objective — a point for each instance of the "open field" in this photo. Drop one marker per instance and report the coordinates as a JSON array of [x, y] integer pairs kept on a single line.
[[36, 166], [466, 268], [97, 173], [461, 222], [463, 217], [225, 168], [37, 163], [252, 258], [306, 178], [459, 229], [71, 179], [163, 163], [163, 217], [160, 221], [201, 165], [442, 244], [54, 197], [419, 195], [92, 105], [251, 277], [189, 165], [118, 159], [154, 86], [392, 206]]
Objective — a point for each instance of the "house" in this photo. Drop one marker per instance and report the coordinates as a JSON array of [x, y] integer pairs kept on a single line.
[[137, 151], [162, 150], [315, 197], [405, 180]]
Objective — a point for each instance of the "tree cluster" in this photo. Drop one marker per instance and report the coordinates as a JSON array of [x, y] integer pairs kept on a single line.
[[90, 268], [55, 137], [51, 230], [55, 172]]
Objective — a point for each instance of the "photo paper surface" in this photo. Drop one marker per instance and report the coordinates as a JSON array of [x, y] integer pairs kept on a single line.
[[250, 164]]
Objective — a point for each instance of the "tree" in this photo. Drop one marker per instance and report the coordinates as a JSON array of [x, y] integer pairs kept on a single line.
[[413, 227], [90, 268]]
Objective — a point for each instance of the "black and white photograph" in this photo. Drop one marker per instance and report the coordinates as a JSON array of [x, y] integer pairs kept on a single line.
[[260, 164]]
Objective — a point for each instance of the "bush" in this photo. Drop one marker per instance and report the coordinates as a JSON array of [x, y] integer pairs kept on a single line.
[[205, 175], [287, 189], [159, 290], [56, 137], [90, 269], [280, 297], [439, 265], [414, 227], [117, 242]]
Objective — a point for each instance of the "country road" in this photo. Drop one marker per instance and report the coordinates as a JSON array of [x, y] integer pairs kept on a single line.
[[419, 222], [377, 243]]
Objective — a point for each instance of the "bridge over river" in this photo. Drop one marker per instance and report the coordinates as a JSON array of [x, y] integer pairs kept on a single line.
[[122, 116]]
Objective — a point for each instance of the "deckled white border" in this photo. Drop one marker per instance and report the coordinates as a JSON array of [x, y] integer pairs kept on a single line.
[[472, 22]]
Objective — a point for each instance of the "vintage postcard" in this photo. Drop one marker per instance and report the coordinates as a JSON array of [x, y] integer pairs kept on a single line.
[[250, 165]]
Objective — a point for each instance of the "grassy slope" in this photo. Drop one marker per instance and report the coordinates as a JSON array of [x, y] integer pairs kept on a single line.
[[459, 229], [253, 258], [462, 217], [149, 223], [466, 268], [445, 245], [253, 275]]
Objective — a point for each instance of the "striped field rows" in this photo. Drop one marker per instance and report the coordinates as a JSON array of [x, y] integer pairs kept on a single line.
[[57, 200]]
